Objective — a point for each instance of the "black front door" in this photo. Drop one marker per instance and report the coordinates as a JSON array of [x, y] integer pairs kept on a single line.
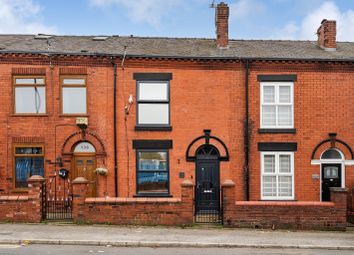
[[331, 177], [207, 190]]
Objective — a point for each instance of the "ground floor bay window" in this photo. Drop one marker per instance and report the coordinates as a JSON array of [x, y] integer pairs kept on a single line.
[[29, 160], [277, 175]]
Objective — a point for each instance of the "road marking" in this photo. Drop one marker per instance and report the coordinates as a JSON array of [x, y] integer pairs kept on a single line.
[[9, 246]]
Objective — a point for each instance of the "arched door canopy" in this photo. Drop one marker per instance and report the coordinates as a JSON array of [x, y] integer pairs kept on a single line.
[[77, 137], [333, 140], [211, 144]]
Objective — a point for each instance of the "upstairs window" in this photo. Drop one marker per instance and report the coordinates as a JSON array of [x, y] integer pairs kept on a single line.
[[29, 95], [74, 95], [277, 105], [29, 160], [153, 103]]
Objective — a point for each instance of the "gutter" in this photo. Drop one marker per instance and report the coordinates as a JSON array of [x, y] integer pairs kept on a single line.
[[96, 54]]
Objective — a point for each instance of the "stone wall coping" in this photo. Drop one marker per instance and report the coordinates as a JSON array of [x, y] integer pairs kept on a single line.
[[14, 198], [80, 180], [283, 203], [338, 189], [187, 183], [36, 178], [124, 200], [228, 183]]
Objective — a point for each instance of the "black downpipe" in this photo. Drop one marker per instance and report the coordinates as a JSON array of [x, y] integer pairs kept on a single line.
[[246, 136], [115, 129]]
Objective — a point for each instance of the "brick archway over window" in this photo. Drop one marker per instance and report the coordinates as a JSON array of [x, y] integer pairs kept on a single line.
[[207, 139], [332, 142]]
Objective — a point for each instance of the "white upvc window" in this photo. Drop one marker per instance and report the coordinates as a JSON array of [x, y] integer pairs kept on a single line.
[[277, 178], [277, 105]]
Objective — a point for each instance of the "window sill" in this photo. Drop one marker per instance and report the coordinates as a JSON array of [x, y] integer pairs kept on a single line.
[[277, 131], [73, 115], [29, 115], [20, 190], [153, 195], [148, 128]]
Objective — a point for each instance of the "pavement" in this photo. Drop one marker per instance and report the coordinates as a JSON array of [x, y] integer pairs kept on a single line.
[[197, 237]]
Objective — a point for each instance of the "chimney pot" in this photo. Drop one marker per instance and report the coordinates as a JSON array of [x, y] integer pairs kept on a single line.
[[222, 25], [327, 35]]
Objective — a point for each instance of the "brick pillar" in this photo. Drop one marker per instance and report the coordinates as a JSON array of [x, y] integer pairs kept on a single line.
[[35, 191], [339, 198], [187, 202], [80, 187], [228, 201]]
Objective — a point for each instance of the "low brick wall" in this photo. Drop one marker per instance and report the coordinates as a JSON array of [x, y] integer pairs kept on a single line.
[[139, 211], [23, 208], [285, 215]]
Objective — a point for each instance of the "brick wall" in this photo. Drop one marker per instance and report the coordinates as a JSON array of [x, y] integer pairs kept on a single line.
[[285, 215], [142, 211], [23, 208]]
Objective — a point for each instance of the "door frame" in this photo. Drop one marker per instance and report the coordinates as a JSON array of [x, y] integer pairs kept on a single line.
[[336, 162], [217, 162]]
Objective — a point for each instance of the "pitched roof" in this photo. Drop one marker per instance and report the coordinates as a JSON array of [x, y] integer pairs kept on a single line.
[[174, 47]]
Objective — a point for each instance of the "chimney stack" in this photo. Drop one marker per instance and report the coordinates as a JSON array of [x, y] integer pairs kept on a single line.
[[327, 35], [222, 25]]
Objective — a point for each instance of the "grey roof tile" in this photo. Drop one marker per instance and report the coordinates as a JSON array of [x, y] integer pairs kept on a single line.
[[175, 47]]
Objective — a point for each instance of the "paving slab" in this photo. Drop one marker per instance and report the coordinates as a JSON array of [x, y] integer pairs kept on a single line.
[[137, 236]]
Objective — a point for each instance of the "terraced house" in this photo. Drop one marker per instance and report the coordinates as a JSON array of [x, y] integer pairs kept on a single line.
[[176, 131]]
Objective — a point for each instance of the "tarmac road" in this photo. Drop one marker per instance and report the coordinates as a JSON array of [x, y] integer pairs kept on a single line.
[[87, 250]]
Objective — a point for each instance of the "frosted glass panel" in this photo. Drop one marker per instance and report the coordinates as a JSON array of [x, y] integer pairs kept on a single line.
[[284, 94], [285, 186], [153, 114], [74, 81], [33, 81], [269, 163], [269, 186], [284, 115], [268, 94], [29, 100], [268, 115], [153, 91], [284, 164], [74, 100]]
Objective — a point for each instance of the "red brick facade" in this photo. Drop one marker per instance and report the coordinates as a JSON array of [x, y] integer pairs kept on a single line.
[[207, 96]]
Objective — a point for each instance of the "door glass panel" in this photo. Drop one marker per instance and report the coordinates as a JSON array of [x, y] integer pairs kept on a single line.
[[331, 172], [79, 162], [89, 162]]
